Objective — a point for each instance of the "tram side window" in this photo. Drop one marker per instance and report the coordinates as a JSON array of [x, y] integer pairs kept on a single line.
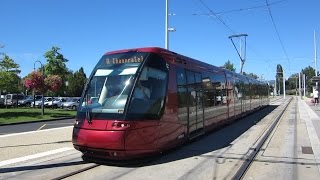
[[218, 82], [208, 90], [182, 94], [149, 103]]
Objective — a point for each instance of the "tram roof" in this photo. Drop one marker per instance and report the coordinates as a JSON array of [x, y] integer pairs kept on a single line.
[[165, 51]]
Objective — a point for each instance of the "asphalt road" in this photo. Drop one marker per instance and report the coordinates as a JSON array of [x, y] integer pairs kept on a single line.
[[35, 126]]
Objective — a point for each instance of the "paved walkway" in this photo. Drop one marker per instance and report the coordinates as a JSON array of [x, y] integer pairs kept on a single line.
[[309, 102]]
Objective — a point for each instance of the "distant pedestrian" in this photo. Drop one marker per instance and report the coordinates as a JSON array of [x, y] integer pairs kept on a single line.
[[316, 97]]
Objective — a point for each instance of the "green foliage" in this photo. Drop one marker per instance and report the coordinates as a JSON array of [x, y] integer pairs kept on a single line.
[[228, 65], [279, 79], [251, 75], [9, 75], [310, 73], [8, 64], [76, 83], [55, 63], [9, 82], [292, 81]]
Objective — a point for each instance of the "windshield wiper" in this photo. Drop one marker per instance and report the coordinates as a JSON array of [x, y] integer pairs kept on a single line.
[[88, 117]]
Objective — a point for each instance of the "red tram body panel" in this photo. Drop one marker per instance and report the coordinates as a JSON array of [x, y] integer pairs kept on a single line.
[[138, 102]]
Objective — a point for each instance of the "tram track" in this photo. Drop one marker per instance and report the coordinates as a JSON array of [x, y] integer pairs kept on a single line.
[[240, 173], [76, 172], [251, 157]]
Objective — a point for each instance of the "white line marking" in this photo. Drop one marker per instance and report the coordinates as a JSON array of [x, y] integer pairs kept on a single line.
[[25, 158], [30, 132], [41, 127]]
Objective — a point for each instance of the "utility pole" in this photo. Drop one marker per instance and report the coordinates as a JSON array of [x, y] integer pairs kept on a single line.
[[284, 85], [304, 85], [315, 53], [166, 26], [296, 86], [299, 84], [275, 87]]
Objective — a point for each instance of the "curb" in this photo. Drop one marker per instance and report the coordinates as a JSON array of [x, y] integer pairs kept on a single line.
[[44, 120]]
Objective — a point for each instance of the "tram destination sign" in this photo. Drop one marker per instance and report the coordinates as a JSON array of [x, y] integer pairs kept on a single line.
[[134, 59]]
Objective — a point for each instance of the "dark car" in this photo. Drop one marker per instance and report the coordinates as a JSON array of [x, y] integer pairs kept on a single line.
[[26, 102]]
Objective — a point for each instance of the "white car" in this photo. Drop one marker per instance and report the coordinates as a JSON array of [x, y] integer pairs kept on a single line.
[[55, 103], [72, 103], [38, 103]]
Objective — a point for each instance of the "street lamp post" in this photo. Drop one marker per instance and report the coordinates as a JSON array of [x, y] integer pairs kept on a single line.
[[34, 67], [167, 28]]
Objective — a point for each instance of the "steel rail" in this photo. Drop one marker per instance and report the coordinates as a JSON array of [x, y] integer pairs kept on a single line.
[[76, 172]]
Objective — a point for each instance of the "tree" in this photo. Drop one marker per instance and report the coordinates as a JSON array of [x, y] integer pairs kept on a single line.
[[7, 64], [291, 83], [36, 82], [76, 83], [9, 75], [228, 65], [279, 79], [310, 73], [251, 75], [53, 83], [55, 63]]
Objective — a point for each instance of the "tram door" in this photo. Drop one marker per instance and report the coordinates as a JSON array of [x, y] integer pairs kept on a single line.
[[195, 102]]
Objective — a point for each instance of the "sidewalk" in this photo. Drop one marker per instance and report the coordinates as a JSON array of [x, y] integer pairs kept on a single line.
[[309, 113], [316, 109]]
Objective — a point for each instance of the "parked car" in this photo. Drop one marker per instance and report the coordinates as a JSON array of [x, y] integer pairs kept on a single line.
[[26, 102], [12, 99], [1, 102], [72, 103], [55, 103], [38, 103]]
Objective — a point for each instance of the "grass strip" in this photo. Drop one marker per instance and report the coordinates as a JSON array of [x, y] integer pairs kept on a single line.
[[16, 115]]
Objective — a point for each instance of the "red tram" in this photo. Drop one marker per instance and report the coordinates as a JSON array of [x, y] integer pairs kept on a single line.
[[138, 102]]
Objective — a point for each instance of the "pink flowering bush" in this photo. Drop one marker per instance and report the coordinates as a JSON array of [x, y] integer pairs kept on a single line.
[[35, 81], [53, 82]]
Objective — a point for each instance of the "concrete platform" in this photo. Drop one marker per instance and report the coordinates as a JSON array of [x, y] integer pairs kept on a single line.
[[293, 150]]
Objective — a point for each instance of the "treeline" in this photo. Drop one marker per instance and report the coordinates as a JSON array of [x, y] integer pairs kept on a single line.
[[53, 78]]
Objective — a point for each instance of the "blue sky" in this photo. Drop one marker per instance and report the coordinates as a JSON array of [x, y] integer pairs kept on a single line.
[[84, 30]]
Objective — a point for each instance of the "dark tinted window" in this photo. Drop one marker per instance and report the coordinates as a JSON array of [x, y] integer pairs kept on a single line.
[[149, 93]]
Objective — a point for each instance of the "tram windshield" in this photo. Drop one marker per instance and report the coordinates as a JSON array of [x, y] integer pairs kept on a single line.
[[108, 91], [111, 82]]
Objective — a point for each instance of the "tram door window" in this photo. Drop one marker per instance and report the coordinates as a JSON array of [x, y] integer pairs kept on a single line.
[[208, 96], [195, 101], [182, 95], [230, 95], [219, 83], [199, 98], [192, 102], [190, 99], [237, 96]]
